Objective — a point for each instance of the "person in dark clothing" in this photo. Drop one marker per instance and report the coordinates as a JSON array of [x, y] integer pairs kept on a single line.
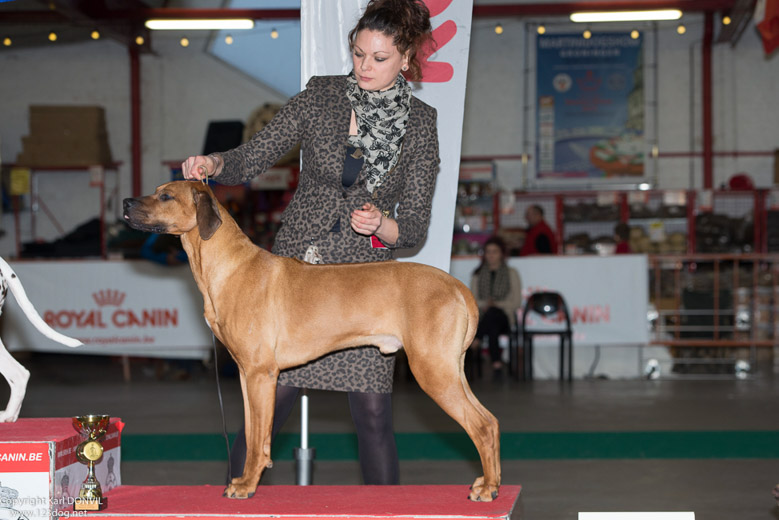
[[622, 238], [540, 239]]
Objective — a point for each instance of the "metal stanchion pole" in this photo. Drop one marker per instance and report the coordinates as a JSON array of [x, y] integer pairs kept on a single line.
[[304, 456]]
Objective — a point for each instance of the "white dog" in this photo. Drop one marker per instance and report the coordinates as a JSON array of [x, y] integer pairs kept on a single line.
[[16, 375]]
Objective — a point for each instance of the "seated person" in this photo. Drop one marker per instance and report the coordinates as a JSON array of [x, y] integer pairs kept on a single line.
[[164, 249], [498, 291]]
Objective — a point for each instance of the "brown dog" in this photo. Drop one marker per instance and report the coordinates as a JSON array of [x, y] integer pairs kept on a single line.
[[273, 313]]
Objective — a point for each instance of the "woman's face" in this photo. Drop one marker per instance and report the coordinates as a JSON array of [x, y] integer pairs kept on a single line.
[[377, 62], [493, 256]]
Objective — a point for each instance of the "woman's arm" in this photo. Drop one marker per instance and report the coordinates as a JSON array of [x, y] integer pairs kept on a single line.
[[416, 200], [252, 158]]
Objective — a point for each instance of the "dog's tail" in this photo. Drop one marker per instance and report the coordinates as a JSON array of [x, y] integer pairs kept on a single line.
[[21, 298]]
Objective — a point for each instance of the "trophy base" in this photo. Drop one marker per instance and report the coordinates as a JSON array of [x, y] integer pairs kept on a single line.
[[90, 504]]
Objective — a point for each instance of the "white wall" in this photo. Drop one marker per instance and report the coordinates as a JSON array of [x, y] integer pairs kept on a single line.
[[184, 89], [181, 90]]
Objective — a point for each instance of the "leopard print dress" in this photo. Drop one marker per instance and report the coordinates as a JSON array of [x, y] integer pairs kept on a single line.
[[318, 118]]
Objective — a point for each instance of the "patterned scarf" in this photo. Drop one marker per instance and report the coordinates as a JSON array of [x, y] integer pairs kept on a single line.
[[494, 284], [381, 124]]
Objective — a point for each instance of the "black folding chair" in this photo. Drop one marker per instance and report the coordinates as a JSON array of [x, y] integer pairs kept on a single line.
[[547, 305]]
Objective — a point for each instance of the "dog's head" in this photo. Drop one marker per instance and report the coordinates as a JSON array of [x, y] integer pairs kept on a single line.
[[175, 208]]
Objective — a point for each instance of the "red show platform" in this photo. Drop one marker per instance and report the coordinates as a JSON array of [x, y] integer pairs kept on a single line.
[[306, 502]]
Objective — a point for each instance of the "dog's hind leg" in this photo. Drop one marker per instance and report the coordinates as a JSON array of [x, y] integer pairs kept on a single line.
[[17, 377], [444, 381], [259, 388]]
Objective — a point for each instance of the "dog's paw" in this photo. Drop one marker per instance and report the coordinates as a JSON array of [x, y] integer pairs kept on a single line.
[[239, 489], [8, 416], [481, 492]]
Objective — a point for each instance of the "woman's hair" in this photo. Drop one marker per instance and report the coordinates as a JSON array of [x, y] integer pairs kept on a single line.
[[407, 22], [495, 241]]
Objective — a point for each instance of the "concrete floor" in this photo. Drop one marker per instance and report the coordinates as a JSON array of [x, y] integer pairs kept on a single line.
[[713, 487]]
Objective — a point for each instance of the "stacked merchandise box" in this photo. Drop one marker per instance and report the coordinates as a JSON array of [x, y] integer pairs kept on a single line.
[[67, 136], [41, 475]]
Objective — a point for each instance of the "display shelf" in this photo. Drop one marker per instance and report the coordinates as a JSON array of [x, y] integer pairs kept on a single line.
[[477, 215], [661, 221], [37, 203]]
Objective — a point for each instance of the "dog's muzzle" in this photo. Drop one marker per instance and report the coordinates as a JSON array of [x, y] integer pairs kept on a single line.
[[128, 205]]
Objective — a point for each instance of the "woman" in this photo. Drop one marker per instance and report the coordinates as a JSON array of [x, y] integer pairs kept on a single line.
[[369, 163], [498, 292]]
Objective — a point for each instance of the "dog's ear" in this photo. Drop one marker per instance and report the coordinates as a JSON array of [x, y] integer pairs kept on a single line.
[[208, 219]]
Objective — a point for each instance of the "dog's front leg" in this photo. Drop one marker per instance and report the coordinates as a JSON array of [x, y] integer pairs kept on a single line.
[[259, 386], [17, 377]]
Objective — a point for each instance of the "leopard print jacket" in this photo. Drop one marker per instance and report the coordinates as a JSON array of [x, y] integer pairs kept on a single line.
[[318, 118]]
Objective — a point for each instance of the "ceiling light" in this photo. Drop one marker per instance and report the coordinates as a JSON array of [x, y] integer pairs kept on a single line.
[[499, 29], [184, 42], [52, 36], [681, 29], [139, 40], [229, 39], [7, 42], [95, 34], [626, 16], [587, 34], [634, 34], [197, 25], [274, 33], [541, 29], [726, 20]]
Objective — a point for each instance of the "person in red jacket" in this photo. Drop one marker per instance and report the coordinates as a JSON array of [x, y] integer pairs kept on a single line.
[[540, 239], [622, 238]]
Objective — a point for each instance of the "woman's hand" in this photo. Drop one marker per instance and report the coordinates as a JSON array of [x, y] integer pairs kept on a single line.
[[367, 220], [198, 167]]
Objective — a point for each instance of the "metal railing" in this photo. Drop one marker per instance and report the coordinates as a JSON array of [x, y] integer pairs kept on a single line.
[[714, 308]]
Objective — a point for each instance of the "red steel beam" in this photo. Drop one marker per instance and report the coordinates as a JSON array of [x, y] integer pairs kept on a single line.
[[564, 8], [486, 10], [135, 119], [167, 13], [708, 158]]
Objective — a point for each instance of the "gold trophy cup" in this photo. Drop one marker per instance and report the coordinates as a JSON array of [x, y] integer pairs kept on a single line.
[[93, 427]]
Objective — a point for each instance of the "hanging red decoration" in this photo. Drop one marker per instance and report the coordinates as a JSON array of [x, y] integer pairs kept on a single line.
[[767, 21]]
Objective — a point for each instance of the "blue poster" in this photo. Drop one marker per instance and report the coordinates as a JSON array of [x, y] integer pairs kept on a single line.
[[590, 106]]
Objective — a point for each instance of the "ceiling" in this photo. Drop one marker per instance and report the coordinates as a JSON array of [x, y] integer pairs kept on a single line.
[[28, 22]]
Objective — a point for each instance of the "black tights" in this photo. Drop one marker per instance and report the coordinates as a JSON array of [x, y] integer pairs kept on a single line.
[[493, 323], [372, 416]]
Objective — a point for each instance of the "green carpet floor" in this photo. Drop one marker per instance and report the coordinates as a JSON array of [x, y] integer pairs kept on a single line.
[[449, 446]]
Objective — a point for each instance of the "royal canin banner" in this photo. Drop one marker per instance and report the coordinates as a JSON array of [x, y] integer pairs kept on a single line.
[[324, 27], [134, 308]]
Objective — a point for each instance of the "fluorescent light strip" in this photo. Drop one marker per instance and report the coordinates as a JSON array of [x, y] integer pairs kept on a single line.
[[203, 25], [626, 16]]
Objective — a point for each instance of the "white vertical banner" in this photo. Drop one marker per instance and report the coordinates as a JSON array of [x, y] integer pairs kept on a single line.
[[325, 25]]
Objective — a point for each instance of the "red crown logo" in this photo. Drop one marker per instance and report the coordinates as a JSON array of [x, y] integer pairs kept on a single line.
[[589, 82], [108, 297]]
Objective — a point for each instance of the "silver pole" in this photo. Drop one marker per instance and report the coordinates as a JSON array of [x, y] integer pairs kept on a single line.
[[304, 456]]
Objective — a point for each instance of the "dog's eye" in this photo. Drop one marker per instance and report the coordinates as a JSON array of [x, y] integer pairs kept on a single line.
[[165, 197]]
